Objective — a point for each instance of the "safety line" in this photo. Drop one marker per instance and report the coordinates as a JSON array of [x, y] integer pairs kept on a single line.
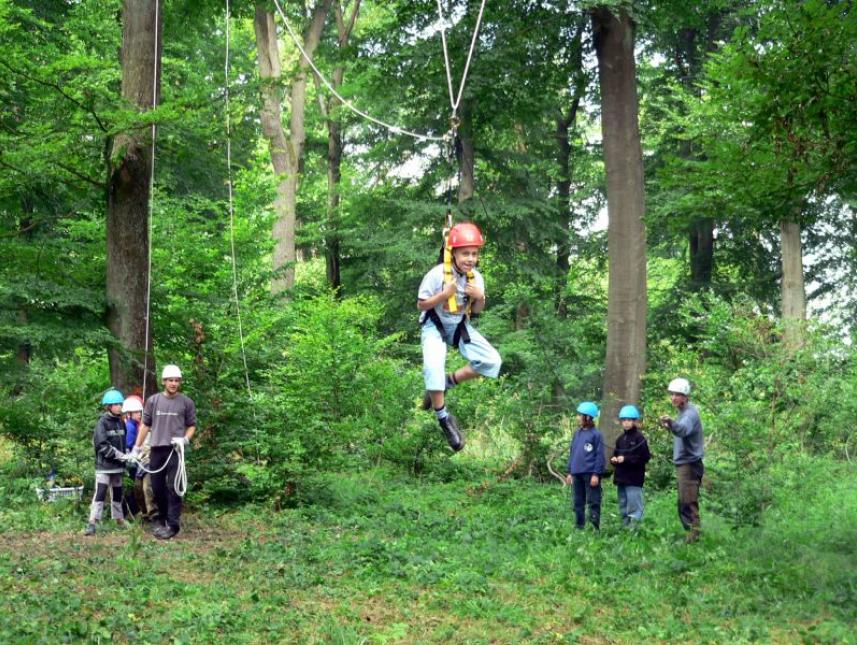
[[151, 205], [392, 128], [232, 232], [455, 101]]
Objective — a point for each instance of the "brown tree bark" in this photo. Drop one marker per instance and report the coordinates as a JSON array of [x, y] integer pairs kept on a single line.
[[689, 56], [333, 258], [129, 166], [466, 153], [564, 122], [792, 289], [286, 151], [626, 232]]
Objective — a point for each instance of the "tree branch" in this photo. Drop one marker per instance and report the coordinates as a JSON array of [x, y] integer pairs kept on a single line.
[[59, 89]]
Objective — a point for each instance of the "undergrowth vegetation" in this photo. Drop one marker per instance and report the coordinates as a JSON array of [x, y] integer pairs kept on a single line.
[[382, 557]]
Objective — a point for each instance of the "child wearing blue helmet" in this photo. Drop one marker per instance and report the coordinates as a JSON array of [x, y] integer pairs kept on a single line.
[[586, 464], [629, 460], [108, 441]]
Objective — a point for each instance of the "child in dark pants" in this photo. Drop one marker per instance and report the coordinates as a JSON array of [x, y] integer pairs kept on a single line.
[[586, 464], [108, 441], [629, 459]]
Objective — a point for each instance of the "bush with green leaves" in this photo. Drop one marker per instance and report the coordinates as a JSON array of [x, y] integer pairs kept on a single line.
[[49, 413], [760, 399]]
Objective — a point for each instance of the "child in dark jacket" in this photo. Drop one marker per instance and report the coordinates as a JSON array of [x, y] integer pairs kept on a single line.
[[586, 464], [108, 441], [629, 459]]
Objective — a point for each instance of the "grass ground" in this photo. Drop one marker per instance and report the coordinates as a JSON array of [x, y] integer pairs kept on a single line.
[[381, 558]]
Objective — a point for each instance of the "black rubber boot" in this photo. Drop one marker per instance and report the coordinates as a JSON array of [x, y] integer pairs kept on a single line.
[[449, 425]]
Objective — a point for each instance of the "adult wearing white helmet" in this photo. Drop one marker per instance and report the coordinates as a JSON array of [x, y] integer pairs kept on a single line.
[[688, 452], [171, 418]]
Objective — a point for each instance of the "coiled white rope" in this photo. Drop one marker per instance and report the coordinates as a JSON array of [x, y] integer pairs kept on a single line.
[[180, 481]]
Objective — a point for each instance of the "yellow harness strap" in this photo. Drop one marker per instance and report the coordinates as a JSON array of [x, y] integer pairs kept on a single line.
[[449, 278]]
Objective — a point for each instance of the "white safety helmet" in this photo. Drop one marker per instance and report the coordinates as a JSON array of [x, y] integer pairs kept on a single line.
[[171, 371], [679, 386], [132, 404]]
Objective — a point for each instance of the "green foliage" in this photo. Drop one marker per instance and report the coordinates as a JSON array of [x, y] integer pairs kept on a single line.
[[50, 411], [385, 557], [761, 401]]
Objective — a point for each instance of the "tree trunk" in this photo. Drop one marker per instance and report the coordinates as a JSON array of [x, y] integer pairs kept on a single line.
[[334, 154], [334, 176], [564, 123], [24, 353], [129, 171], [626, 232], [690, 57], [466, 153], [701, 240], [286, 152], [793, 292]]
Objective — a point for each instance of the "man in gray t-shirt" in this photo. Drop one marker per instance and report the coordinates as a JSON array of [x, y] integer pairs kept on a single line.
[[688, 451], [171, 418]]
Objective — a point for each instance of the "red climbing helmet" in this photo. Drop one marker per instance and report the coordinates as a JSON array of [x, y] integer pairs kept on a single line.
[[465, 234]]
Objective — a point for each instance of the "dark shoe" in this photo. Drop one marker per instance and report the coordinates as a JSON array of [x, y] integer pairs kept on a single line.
[[165, 533], [449, 425], [89, 530], [692, 536]]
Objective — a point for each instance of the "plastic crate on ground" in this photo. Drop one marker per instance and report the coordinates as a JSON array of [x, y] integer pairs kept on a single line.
[[55, 493]]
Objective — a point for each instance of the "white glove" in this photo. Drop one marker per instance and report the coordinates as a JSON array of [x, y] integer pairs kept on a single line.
[[183, 441], [118, 455], [134, 454]]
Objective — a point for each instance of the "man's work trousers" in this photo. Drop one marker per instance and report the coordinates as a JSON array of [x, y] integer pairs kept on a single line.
[[689, 478], [163, 485], [585, 495]]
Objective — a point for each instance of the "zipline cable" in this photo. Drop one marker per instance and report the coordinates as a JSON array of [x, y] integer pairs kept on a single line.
[[232, 234], [150, 205], [392, 128], [455, 101]]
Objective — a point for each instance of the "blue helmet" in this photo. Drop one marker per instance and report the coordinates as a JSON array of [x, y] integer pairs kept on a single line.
[[588, 408], [629, 412], [112, 397]]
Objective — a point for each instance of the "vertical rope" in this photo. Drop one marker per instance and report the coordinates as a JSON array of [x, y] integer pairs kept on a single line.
[[231, 209], [151, 203]]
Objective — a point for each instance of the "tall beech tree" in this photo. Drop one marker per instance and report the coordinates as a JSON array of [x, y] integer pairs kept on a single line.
[[286, 150], [626, 232], [129, 163]]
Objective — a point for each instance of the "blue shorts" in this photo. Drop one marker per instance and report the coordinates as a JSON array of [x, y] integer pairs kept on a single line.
[[478, 352]]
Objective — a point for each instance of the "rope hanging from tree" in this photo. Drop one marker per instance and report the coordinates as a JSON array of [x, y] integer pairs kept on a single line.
[[231, 209], [151, 203]]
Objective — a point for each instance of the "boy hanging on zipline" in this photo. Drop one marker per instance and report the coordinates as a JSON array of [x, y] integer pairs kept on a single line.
[[448, 295]]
